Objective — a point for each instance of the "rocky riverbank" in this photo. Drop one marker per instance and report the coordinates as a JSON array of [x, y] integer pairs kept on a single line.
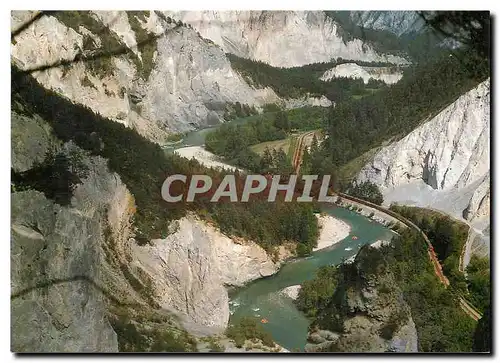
[[205, 157], [369, 212], [332, 230], [291, 291]]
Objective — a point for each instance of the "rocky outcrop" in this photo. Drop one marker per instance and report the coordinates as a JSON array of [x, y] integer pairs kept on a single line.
[[80, 281], [48, 41], [71, 284], [367, 312], [387, 75], [52, 310], [56, 305], [442, 164], [192, 81], [280, 38], [479, 203], [307, 101], [180, 81], [31, 141], [191, 268], [291, 291]]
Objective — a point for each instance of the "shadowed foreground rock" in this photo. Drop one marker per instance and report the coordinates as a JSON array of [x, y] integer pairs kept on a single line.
[[367, 312]]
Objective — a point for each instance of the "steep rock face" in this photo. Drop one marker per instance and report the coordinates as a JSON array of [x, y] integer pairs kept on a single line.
[[479, 204], [188, 85], [191, 267], [75, 266], [352, 70], [447, 156], [53, 308], [451, 150], [47, 41], [307, 101], [280, 38], [192, 81], [69, 263], [31, 140], [397, 22], [367, 312], [50, 243]]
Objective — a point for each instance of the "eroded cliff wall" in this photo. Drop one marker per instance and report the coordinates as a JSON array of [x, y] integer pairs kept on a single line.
[[449, 152], [280, 38], [174, 82]]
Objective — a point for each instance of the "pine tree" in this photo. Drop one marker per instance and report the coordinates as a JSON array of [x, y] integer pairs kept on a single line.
[[281, 121], [266, 162]]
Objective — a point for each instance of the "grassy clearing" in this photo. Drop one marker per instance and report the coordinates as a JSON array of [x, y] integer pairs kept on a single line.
[[277, 144], [288, 145], [292, 146]]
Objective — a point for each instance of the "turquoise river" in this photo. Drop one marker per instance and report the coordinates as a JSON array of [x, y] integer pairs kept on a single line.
[[262, 298]]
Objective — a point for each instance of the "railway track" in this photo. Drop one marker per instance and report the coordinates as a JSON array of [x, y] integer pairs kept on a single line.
[[438, 270], [299, 151]]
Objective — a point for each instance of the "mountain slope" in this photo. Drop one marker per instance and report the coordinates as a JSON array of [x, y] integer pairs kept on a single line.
[[81, 278], [449, 151], [397, 22], [281, 38], [176, 82], [352, 70], [444, 163]]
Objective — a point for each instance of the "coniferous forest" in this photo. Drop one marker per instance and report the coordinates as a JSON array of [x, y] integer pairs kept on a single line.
[[143, 166]]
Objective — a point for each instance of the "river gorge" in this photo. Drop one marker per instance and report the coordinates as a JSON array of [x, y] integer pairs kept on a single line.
[[264, 298]]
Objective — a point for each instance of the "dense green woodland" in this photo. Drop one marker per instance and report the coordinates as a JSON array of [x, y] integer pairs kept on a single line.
[[296, 82], [233, 140], [315, 294], [441, 324], [143, 166], [368, 191], [478, 282], [248, 328], [448, 236], [357, 125]]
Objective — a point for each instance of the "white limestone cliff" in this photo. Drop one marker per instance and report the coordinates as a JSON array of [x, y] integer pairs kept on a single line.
[[191, 268], [306, 101], [189, 85], [442, 164], [398, 22], [479, 204], [191, 80], [280, 38], [449, 151]]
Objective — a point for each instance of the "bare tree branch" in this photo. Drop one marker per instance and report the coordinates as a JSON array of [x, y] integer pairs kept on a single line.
[[91, 56], [54, 282]]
